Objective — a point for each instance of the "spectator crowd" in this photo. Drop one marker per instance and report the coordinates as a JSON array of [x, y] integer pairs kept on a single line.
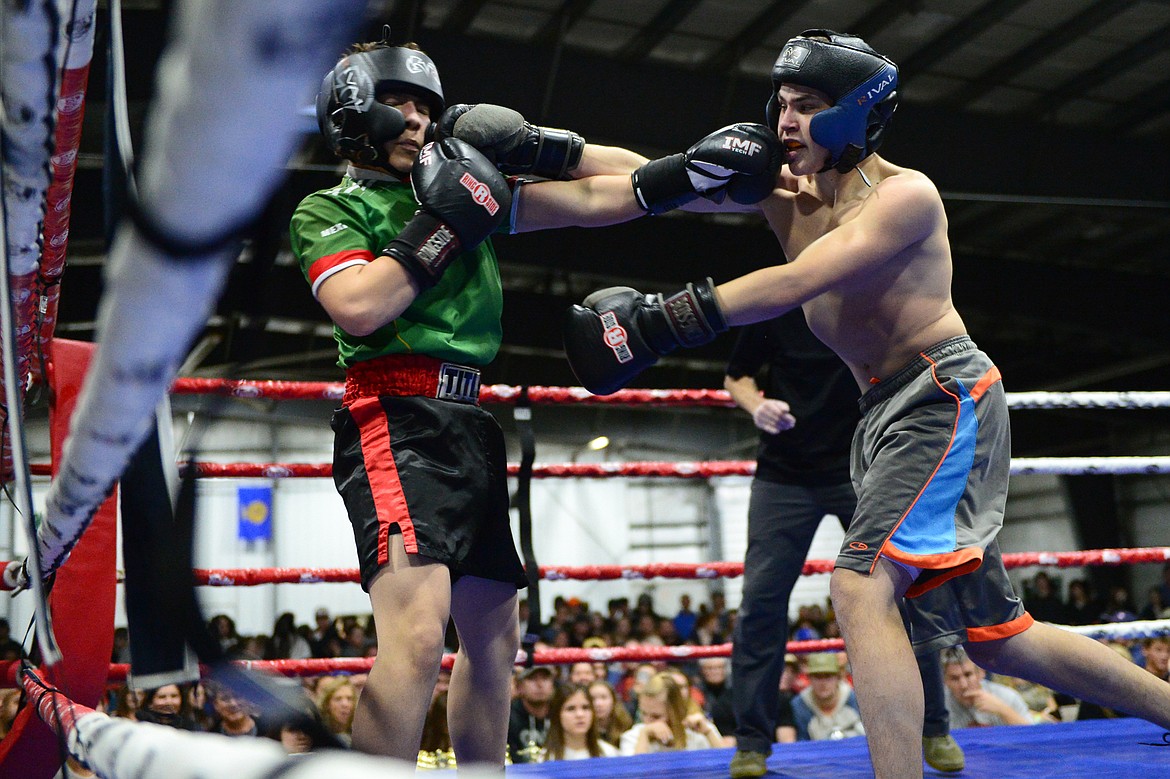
[[598, 709]]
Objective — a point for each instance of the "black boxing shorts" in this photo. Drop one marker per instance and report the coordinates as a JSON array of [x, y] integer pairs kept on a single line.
[[431, 470], [930, 464]]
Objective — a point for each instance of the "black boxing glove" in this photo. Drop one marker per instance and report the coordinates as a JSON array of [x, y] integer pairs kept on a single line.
[[618, 332], [739, 161], [514, 145], [462, 200]]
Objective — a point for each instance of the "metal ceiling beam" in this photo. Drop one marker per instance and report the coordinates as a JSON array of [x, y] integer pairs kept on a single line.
[[958, 35], [1002, 73], [753, 33], [656, 29], [462, 15], [1129, 56], [881, 17], [1141, 108], [560, 22]]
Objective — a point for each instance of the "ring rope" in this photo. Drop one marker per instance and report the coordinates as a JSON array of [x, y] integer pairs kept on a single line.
[[320, 666], [249, 577], [503, 393], [677, 469]]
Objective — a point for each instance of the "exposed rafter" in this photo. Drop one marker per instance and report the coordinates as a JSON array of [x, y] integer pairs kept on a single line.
[[560, 22], [960, 33], [644, 41], [1034, 53], [754, 32], [460, 17]]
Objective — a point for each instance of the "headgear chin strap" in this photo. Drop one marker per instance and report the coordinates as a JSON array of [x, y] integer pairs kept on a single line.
[[355, 124], [861, 84]]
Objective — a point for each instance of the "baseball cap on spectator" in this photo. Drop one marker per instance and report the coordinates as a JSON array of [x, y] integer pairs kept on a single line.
[[534, 669], [823, 663]]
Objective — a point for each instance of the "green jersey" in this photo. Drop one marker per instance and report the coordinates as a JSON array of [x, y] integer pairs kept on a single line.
[[458, 319]]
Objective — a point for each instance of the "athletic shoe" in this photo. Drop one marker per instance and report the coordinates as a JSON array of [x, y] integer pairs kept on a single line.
[[748, 765], [942, 753]]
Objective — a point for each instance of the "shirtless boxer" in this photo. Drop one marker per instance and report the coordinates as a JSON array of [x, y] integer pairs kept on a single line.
[[870, 264]]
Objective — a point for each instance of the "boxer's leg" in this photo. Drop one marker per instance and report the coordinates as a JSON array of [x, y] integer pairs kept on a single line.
[[411, 600]]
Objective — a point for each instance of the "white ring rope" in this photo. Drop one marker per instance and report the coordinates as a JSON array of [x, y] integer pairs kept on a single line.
[[1100, 466], [1130, 400], [1122, 631]]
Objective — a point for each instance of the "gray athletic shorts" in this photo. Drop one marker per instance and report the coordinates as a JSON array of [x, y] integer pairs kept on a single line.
[[930, 466]]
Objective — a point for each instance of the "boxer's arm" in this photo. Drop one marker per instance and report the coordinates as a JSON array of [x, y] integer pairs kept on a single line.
[[598, 160], [902, 211]]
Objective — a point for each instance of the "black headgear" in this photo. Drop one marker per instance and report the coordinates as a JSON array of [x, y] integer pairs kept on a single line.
[[349, 115], [860, 82]]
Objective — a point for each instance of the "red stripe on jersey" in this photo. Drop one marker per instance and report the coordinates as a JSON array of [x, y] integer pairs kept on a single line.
[[330, 261], [382, 473]]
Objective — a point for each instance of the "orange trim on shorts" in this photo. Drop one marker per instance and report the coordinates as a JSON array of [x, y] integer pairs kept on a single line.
[[985, 383], [382, 473], [955, 426], [943, 566], [1006, 630]]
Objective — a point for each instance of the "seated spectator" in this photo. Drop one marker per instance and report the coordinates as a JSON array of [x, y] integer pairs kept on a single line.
[[167, 705], [528, 721], [234, 715], [684, 621], [827, 708], [694, 698], [572, 730], [1081, 608], [436, 735], [1042, 601], [199, 707], [1041, 700], [973, 701], [785, 721], [1157, 653], [336, 701], [582, 673], [119, 654], [287, 643], [324, 639], [613, 719], [223, 629], [1155, 607], [126, 702], [715, 685], [1119, 607], [665, 724]]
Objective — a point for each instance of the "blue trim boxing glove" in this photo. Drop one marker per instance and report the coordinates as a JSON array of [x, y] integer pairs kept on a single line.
[[740, 161], [617, 332]]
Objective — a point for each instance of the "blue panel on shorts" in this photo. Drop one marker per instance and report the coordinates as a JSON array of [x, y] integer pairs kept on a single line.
[[929, 526]]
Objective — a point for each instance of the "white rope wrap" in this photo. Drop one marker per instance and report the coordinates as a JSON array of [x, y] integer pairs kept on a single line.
[[1090, 465], [219, 135], [1024, 400], [1123, 631], [29, 101], [120, 749]]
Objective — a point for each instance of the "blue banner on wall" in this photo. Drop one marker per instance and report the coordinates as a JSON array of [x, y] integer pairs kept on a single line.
[[255, 513]]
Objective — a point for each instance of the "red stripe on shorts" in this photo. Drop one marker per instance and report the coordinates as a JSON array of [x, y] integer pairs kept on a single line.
[[382, 473]]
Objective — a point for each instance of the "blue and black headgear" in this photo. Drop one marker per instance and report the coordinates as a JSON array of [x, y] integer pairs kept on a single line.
[[861, 84], [354, 123]]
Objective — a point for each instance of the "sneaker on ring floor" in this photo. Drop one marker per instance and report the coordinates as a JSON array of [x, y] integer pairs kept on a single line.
[[942, 753], [748, 764]]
